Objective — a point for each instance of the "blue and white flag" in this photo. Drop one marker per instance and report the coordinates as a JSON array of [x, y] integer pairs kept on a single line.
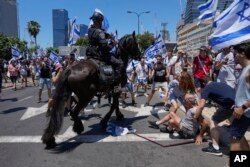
[[74, 33], [132, 65], [34, 56], [15, 52], [207, 10], [154, 49], [53, 57], [232, 25], [105, 23]]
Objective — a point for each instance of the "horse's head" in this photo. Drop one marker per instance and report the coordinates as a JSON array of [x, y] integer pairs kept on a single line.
[[128, 45]]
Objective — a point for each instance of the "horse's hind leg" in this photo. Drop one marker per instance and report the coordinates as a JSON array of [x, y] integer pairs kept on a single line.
[[77, 126]]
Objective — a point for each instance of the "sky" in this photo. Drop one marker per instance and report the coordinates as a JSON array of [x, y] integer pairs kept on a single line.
[[161, 11]]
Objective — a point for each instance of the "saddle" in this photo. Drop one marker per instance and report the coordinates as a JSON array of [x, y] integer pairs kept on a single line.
[[106, 77], [106, 73]]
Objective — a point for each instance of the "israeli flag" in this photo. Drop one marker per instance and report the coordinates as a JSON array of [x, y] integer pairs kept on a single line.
[[53, 57], [232, 25], [154, 49], [74, 34], [132, 65], [15, 52], [105, 23], [207, 10], [34, 56]]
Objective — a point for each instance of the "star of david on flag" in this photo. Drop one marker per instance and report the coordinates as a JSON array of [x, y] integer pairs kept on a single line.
[[15, 52], [53, 57], [154, 49], [232, 25]]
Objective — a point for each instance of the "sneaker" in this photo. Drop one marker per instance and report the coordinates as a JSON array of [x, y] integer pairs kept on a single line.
[[153, 124], [167, 107], [211, 150], [133, 103], [165, 129], [146, 104], [145, 94]]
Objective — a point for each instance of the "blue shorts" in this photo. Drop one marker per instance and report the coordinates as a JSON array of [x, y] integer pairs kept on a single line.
[[142, 81], [239, 127], [45, 81], [222, 114], [130, 87], [199, 83]]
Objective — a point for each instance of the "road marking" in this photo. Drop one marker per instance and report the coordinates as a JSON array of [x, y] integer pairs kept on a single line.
[[88, 138], [34, 111], [25, 98], [144, 111]]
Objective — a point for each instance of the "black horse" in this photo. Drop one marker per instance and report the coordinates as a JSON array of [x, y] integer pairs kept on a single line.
[[82, 78]]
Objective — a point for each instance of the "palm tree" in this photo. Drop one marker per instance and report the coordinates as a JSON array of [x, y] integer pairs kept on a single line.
[[33, 29]]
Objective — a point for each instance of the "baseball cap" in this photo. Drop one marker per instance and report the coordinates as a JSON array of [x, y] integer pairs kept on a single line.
[[58, 66]]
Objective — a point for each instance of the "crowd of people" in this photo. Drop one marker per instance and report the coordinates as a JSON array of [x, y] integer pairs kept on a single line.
[[222, 77]]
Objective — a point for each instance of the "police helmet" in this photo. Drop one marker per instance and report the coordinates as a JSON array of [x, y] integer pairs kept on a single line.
[[97, 16]]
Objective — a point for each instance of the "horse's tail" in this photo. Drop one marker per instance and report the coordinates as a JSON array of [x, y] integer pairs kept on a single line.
[[61, 95]]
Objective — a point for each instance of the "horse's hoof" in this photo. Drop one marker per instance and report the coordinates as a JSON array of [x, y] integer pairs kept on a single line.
[[50, 144], [78, 127], [120, 117], [103, 124]]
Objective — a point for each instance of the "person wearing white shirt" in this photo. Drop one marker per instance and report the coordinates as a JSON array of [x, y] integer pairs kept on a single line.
[[142, 72], [224, 62]]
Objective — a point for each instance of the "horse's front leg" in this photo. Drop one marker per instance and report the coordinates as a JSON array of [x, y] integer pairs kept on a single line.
[[119, 115], [77, 126]]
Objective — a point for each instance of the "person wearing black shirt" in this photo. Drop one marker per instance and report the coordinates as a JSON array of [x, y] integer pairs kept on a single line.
[[159, 75], [45, 78]]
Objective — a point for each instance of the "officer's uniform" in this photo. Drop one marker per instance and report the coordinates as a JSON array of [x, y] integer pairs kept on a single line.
[[100, 47]]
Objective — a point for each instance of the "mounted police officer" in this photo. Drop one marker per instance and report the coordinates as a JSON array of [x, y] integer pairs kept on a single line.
[[100, 45]]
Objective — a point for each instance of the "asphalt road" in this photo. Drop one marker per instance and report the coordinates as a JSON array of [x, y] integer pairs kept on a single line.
[[22, 122]]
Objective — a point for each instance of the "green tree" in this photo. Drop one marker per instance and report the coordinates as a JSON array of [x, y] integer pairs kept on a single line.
[[7, 42], [33, 29], [48, 50], [145, 40], [83, 41]]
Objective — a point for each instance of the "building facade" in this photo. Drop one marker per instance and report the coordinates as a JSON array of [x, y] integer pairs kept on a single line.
[[60, 27], [190, 36], [191, 11], [223, 4], [83, 30], [9, 24]]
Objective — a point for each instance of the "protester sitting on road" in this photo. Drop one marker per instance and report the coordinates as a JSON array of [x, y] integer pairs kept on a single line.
[[224, 96], [160, 76], [177, 88], [182, 84], [188, 126]]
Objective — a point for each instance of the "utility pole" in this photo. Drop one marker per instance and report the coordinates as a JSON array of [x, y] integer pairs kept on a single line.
[[165, 32]]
